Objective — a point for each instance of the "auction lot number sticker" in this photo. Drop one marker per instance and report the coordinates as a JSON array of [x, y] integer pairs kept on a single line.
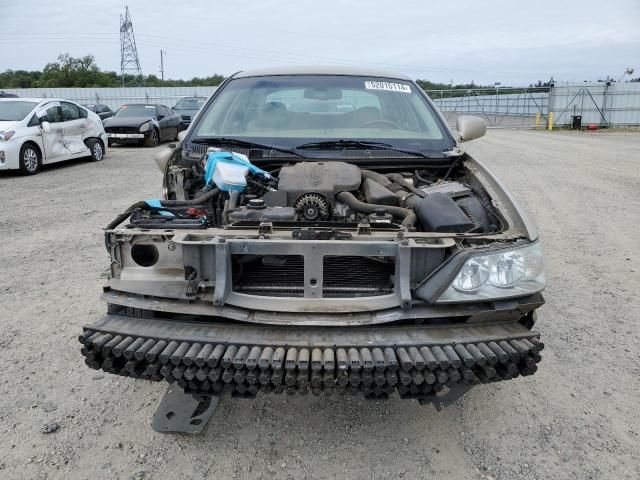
[[392, 87]]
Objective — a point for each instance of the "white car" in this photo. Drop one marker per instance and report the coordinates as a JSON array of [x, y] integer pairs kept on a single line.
[[36, 131]]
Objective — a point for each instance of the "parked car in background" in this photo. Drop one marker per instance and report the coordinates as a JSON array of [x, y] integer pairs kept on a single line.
[[8, 95], [187, 107], [148, 124], [36, 131], [100, 109]]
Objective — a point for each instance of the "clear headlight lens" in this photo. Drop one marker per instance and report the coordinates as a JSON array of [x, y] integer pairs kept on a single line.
[[507, 270], [144, 127], [506, 273], [4, 136], [472, 275]]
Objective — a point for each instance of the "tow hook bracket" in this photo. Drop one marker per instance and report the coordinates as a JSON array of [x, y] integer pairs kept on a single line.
[[364, 228], [265, 228], [312, 234], [181, 412], [440, 402]]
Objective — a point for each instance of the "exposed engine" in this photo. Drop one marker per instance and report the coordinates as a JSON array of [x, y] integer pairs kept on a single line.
[[329, 193], [311, 188]]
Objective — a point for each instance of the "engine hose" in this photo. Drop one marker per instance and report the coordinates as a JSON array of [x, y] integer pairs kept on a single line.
[[408, 216], [194, 201], [422, 179], [233, 199], [453, 165], [400, 180], [124, 215]]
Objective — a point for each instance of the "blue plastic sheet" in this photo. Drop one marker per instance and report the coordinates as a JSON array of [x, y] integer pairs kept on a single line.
[[155, 203], [213, 158]]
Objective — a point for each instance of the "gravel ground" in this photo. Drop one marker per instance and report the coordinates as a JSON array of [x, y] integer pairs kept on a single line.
[[576, 418]]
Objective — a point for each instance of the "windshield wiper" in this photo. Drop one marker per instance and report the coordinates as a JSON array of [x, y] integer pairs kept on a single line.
[[362, 144], [236, 142]]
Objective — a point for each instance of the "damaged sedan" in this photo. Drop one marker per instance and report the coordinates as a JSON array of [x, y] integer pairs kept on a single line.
[[322, 230], [146, 124]]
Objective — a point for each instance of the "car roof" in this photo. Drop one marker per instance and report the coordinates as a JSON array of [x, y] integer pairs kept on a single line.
[[23, 99], [142, 104], [320, 70], [39, 99]]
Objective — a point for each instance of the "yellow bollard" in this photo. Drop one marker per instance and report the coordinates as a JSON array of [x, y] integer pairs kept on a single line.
[[537, 120], [550, 120]]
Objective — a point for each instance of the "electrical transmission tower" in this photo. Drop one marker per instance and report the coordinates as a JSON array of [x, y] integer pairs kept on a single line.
[[129, 61]]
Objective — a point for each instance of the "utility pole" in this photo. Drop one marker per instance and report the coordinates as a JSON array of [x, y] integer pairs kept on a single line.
[[129, 61], [162, 53]]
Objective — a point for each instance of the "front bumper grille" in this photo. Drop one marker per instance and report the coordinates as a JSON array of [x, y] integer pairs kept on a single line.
[[374, 362], [122, 130]]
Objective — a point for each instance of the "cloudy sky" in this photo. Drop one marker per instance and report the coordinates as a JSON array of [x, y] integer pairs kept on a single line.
[[512, 42]]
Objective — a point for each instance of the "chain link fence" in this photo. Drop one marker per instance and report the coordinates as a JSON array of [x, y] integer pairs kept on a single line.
[[115, 97], [603, 104], [500, 107]]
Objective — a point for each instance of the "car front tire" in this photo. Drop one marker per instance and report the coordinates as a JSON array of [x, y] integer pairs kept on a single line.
[[96, 149], [29, 159], [152, 139]]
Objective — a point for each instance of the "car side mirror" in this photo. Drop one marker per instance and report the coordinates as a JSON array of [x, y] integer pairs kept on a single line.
[[162, 157], [470, 127], [46, 126], [160, 117]]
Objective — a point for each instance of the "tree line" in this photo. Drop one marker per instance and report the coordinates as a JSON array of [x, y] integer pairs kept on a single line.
[[68, 71]]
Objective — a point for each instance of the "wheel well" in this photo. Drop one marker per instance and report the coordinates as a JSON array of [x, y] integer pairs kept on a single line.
[[86, 141], [36, 146]]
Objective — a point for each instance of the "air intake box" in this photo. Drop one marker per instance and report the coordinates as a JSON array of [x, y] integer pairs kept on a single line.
[[440, 213]]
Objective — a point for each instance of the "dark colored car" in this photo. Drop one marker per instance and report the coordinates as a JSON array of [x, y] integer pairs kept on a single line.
[[102, 110], [322, 230], [187, 107], [147, 124], [8, 95]]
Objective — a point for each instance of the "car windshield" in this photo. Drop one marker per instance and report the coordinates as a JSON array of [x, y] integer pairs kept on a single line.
[[136, 111], [15, 111], [189, 104], [291, 110]]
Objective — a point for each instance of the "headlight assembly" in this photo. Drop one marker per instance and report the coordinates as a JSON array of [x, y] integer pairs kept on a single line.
[[4, 136], [490, 276], [145, 127]]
